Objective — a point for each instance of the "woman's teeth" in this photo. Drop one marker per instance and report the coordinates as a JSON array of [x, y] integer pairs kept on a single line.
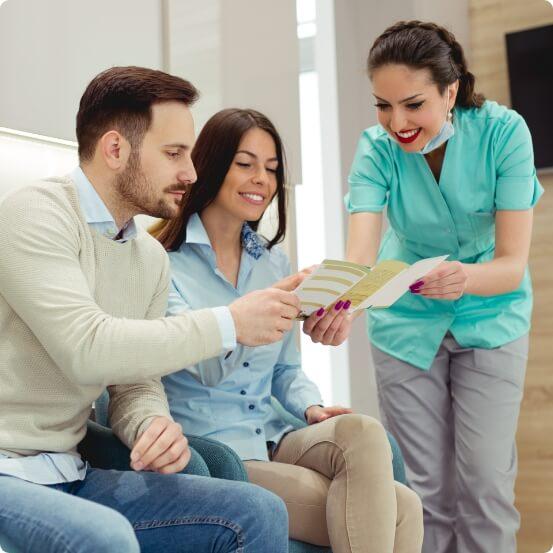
[[254, 197], [408, 134]]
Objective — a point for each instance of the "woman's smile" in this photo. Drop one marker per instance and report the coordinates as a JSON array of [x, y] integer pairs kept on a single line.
[[406, 137], [253, 198]]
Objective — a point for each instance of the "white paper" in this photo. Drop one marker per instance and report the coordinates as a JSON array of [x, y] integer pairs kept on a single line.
[[397, 286]]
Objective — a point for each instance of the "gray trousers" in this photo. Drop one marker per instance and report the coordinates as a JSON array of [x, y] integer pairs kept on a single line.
[[456, 425]]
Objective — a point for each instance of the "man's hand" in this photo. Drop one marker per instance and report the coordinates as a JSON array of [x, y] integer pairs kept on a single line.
[[290, 283], [330, 328], [263, 316], [446, 282], [162, 448], [316, 413]]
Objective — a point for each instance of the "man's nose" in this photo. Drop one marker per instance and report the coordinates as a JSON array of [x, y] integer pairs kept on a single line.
[[187, 174]]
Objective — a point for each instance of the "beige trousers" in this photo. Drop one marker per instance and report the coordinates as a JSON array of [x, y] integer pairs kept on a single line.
[[336, 480]]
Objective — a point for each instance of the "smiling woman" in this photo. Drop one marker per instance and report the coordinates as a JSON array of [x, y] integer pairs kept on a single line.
[[245, 165], [217, 257], [457, 176]]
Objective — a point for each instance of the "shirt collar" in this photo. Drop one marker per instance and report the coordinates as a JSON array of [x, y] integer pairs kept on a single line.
[[95, 210], [252, 243]]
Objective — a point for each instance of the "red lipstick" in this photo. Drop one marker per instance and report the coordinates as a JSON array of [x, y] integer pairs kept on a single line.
[[409, 139]]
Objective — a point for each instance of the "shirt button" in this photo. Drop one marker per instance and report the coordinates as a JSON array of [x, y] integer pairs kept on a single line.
[[245, 364], [258, 430], [242, 392], [251, 406]]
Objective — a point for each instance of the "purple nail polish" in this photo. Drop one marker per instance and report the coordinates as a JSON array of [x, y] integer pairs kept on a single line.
[[415, 291], [418, 284], [338, 306], [346, 305], [320, 312]]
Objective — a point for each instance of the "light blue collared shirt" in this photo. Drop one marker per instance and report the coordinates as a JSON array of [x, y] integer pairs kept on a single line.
[[95, 211], [228, 398]]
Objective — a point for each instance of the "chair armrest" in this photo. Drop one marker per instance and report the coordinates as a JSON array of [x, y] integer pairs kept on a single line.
[[398, 464], [221, 460], [103, 450]]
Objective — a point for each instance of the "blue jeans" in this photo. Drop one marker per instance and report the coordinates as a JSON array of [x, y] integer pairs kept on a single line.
[[128, 512]]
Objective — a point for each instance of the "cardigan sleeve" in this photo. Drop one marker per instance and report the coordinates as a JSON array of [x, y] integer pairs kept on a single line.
[[132, 407], [42, 280]]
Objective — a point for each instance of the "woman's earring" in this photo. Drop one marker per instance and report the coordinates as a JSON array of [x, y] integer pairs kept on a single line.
[[450, 116]]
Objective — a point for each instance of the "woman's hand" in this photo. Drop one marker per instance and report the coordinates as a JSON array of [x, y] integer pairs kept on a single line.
[[316, 413], [448, 281], [290, 283], [330, 328]]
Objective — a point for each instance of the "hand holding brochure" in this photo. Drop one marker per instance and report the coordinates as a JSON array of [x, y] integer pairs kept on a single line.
[[366, 287]]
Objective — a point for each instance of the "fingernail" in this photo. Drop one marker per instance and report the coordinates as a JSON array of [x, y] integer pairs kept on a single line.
[[418, 284], [338, 306], [346, 305], [134, 456], [138, 466], [320, 312], [415, 287], [415, 291]]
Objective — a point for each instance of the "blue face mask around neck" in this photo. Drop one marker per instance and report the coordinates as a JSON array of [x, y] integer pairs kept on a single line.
[[445, 133]]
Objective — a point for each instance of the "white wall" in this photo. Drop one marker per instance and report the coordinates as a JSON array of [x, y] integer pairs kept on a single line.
[[242, 53], [50, 50]]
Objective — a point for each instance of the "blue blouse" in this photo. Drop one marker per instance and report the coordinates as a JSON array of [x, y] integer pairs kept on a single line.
[[228, 398], [488, 166]]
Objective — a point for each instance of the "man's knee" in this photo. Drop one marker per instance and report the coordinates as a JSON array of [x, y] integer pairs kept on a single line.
[[113, 536], [268, 507]]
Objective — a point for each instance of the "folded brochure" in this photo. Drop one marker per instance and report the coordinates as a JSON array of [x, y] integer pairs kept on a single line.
[[366, 287]]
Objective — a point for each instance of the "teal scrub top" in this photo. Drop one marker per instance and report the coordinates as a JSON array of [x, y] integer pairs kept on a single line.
[[488, 166]]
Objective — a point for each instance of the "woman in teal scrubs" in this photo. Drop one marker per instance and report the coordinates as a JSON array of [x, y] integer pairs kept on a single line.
[[456, 174]]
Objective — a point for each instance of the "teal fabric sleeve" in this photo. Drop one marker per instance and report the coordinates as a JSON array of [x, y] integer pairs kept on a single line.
[[369, 177], [517, 186]]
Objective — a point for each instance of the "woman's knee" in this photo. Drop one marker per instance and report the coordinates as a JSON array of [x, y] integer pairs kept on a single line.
[[409, 522], [409, 507], [361, 431]]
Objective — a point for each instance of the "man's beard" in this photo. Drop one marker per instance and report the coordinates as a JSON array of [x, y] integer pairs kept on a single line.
[[138, 192]]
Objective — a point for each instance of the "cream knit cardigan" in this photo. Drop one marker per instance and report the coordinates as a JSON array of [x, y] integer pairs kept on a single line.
[[79, 312]]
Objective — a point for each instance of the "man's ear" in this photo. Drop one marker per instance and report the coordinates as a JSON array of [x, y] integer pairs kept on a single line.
[[114, 149]]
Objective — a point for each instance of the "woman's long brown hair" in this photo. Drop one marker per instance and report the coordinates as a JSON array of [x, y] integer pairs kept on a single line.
[[212, 156]]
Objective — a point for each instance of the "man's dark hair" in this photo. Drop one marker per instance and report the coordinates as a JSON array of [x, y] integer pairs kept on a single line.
[[121, 98]]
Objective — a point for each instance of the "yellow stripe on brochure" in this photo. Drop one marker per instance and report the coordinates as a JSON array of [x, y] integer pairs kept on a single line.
[[325, 290], [334, 279]]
